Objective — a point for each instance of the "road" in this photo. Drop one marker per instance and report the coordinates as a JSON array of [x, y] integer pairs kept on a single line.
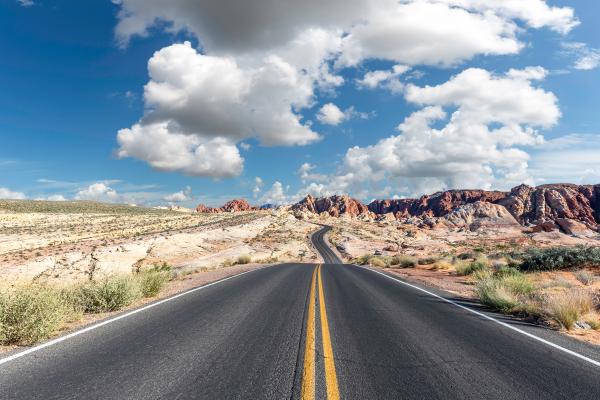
[[302, 331]]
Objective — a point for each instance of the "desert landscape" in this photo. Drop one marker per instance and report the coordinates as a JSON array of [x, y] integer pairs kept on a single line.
[[530, 252]]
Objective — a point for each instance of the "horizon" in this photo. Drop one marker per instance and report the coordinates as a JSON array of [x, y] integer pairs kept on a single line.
[[116, 110]]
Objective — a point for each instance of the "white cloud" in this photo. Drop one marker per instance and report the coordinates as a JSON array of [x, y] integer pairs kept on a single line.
[[200, 106], [181, 196], [189, 154], [56, 197], [478, 146], [254, 81], [387, 79], [277, 195], [6, 193], [98, 192], [330, 114], [258, 184], [245, 146], [26, 3], [306, 174], [586, 58]]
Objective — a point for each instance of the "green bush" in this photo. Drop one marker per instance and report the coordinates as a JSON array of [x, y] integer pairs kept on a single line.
[[557, 258], [466, 256], [469, 268], [152, 282], [29, 314], [503, 292], [427, 260], [109, 294]]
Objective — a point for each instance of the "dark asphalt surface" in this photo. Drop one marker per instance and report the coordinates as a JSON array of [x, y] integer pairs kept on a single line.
[[244, 339]]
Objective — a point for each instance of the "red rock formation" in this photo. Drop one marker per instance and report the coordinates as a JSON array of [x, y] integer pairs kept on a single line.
[[436, 205], [553, 202], [231, 206], [334, 206], [236, 205], [201, 208]]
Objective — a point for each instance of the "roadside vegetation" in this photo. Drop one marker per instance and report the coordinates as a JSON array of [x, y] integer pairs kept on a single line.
[[558, 285], [32, 313]]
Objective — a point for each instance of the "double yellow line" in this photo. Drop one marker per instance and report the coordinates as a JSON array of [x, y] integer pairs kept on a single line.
[[309, 370]]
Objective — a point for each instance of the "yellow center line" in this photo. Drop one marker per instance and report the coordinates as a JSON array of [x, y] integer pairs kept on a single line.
[[308, 372], [333, 392]]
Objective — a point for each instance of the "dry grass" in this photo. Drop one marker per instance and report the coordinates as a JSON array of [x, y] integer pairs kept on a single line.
[[566, 308], [442, 265], [585, 277], [469, 268]]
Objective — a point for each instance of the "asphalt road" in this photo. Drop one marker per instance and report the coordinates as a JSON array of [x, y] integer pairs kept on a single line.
[[304, 331]]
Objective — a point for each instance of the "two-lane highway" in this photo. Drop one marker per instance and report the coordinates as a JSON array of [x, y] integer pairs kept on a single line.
[[303, 331]]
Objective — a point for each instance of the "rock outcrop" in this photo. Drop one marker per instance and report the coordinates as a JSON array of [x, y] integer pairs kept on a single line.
[[573, 209], [435, 205], [539, 204], [334, 206], [237, 205], [480, 214], [234, 205]]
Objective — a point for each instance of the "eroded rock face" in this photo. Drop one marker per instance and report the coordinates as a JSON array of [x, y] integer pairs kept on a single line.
[[234, 205], [201, 208], [480, 214], [553, 202], [334, 206], [436, 205]]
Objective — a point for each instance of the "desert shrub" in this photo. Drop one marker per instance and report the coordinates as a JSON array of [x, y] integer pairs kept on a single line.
[[466, 256], [468, 268], [377, 262], [442, 265], [585, 277], [228, 263], [505, 293], [566, 308], [557, 258], [243, 259], [29, 314], [427, 260], [407, 262], [151, 282], [109, 294]]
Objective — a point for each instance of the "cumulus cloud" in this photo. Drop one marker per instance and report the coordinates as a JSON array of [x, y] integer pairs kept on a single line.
[[330, 114], [306, 173], [26, 3], [254, 81], [479, 145], [182, 195], [56, 197], [258, 184], [200, 106], [277, 195], [6, 193], [586, 58], [387, 79], [98, 192]]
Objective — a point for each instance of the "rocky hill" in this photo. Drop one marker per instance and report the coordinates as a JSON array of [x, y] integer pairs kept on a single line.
[[335, 206], [234, 205], [567, 207]]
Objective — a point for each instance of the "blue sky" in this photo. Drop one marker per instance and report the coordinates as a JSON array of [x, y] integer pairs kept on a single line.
[[73, 73]]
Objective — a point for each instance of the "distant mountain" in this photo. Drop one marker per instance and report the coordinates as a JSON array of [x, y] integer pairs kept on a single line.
[[567, 207]]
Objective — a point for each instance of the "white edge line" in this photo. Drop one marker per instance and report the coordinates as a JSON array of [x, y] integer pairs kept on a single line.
[[108, 321], [539, 339]]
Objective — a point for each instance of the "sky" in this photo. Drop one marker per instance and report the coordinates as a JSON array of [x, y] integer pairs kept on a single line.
[[155, 102]]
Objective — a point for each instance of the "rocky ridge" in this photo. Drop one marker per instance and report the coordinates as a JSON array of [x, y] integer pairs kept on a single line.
[[573, 209]]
